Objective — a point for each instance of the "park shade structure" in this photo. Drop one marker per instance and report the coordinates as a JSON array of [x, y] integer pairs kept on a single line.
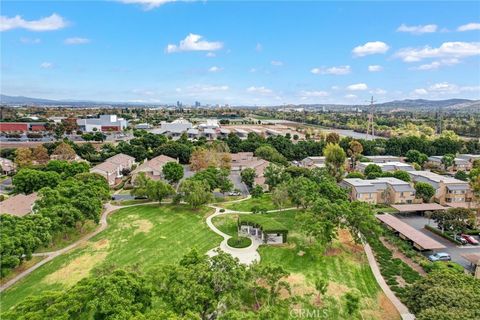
[[420, 240], [266, 225]]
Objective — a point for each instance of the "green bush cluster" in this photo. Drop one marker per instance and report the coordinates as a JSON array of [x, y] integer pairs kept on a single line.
[[445, 235], [391, 268]]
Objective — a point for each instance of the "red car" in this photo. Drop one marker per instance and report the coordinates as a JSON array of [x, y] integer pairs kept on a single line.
[[470, 239]]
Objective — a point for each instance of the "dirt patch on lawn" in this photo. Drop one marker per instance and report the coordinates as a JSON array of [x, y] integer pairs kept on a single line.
[[298, 286], [142, 226], [331, 252], [346, 239], [102, 244], [337, 289], [76, 270], [380, 308]]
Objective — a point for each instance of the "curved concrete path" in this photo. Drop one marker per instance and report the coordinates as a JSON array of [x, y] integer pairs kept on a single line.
[[247, 255], [103, 224]]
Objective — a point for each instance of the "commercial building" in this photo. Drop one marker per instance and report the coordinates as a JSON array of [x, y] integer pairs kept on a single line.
[[448, 190], [22, 126], [175, 128], [380, 190], [104, 123]]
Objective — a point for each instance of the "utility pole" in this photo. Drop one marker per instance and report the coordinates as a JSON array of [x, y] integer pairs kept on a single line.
[[370, 124]]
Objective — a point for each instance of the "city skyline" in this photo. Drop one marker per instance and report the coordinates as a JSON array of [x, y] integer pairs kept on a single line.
[[256, 53]]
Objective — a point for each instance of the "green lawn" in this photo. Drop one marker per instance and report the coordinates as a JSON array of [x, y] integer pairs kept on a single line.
[[265, 201], [141, 236], [345, 266]]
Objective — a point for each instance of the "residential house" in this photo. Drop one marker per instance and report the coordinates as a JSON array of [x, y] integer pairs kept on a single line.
[[18, 205], [112, 168], [152, 168], [380, 190], [243, 160], [175, 128], [8, 166], [313, 162], [470, 157], [448, 190]]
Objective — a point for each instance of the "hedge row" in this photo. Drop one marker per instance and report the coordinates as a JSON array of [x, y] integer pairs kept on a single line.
[[443, 235]]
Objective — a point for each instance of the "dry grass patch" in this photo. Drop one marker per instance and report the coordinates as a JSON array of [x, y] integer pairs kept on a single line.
[[337, 290], [142, 225], [380, 308], [76, 270]]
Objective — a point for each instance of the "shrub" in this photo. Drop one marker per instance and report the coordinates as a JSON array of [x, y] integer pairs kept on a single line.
[[222, 210]]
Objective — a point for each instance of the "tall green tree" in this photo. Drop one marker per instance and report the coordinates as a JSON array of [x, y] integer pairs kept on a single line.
[[158, 190], [248, 176], [335, 160], [195, 192], [172, 171], [424, 191]]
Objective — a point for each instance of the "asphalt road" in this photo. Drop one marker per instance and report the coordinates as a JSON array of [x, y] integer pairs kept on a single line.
[[454, 250]]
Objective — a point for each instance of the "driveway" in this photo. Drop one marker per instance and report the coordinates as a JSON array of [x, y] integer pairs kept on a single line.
[[238, 184], [454, 250], [6, 185]]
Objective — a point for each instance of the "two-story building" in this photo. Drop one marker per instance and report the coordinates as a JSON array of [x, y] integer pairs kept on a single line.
[[313, 162], [113, 168], [380, 190], [459, 164], [152, 168], [389, 166], [447, 189]]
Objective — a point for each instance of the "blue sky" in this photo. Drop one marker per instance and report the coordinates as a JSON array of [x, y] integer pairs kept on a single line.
[[256, 53]]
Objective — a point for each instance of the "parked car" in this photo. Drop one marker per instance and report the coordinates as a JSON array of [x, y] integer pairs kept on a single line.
[[439, 256], [234, 193], [470, 239], [460, 239]]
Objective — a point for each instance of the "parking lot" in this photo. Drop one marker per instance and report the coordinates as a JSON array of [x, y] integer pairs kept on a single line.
[[453, 249]]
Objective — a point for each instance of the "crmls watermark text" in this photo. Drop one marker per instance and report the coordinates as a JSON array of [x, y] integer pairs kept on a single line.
[[309, 313]]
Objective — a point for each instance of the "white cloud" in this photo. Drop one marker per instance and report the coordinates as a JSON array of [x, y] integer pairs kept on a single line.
[[420, 92], [46, 65], [252, 70], [207, 88], [258, 47], [469, 27], [276, 63], [211, 55], [368, 48], [429, 28], [357, 87], [53, 22], [447, 50], [30, 40], [351, 96], [260, 90], [340, 70], [379, 92], [307, 93], [375, 68], [443, 87], [193, 42], [76, 40], [437, 64], [215, 69], [151, 4]]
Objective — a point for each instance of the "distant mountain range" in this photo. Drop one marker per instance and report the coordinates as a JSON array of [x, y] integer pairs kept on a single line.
[[449, 104]]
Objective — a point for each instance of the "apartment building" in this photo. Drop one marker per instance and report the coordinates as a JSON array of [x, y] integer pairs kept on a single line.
[[380, 190], [459, 164], [447, 189], [383, 159], [389, 166], [244, 160]]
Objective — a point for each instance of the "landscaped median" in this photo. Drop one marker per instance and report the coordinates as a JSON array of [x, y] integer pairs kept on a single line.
[[239, 242]]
